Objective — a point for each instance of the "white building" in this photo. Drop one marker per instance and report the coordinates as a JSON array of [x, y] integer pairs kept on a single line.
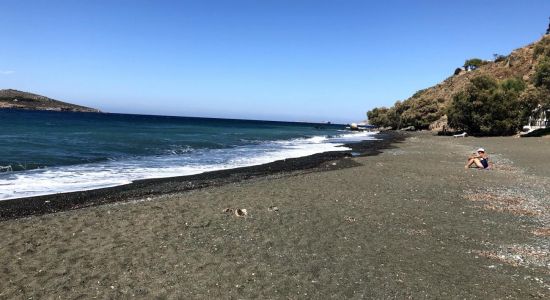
[[540, 118]]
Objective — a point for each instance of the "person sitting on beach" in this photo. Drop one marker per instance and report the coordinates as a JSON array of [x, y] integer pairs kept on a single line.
[[478, 160]]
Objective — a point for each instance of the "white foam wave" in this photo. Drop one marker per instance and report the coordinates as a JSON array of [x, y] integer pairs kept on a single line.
[[119, 172], [357, 136]]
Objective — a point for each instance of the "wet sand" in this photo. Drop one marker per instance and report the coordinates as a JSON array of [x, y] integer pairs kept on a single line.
[[410, 222]]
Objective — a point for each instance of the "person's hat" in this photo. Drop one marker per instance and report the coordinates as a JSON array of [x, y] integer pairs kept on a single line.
[[480, 150]]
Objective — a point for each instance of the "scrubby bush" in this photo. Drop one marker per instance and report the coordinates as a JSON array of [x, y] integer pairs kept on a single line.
[[513, 85], [389, 117], [420, 113], [489, 107], [533, 97], [417, 112], [473, 63], [380, 117], [498, 57], [542, 74], [418, 93], [542, 48]]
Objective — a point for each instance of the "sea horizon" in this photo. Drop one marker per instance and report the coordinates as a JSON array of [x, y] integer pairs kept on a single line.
[[49, 152]]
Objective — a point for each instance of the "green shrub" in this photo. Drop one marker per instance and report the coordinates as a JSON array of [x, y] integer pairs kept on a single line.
[[474, 63], [498, 57], [379, 117], [488, 107], [542, 48], [421, 113], [418, 93], [513, 84], [542, 74], [534, 96], [418, 112]]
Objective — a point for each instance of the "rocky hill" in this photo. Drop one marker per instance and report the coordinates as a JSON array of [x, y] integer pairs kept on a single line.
[[14, 99], [427, 109]]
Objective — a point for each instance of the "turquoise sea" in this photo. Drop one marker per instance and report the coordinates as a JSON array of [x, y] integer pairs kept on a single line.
[[44, 152]]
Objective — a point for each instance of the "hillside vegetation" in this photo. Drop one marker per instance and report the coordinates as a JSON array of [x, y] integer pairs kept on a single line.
[[483, 97], [14, 99]]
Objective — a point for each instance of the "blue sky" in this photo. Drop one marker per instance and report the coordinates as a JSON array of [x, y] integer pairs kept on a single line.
[[278, 60]]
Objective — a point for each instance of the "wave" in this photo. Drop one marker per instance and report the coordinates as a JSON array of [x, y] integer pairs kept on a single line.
[[7, 168], [186, 161]]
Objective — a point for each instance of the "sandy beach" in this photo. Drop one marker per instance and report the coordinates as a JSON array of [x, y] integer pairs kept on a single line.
[[410, 222]]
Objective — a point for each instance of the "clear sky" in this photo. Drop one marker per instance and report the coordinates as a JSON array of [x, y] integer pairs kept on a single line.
[[279, 60]]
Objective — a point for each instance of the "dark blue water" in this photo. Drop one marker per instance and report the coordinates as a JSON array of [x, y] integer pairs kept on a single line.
[[49, 152]]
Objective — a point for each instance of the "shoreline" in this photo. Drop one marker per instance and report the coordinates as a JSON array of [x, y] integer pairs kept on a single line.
[[46, 204], [410, 222]]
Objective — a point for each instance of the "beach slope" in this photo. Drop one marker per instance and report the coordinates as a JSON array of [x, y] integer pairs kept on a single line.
[[410, 222]]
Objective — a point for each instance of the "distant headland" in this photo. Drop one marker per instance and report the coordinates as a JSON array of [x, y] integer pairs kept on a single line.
[[14, 99]]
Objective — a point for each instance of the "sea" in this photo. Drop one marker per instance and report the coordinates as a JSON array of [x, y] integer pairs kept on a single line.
[[47, 152]]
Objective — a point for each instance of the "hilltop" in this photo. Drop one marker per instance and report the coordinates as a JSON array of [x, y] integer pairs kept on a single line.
[[514, 77], [14, 99]]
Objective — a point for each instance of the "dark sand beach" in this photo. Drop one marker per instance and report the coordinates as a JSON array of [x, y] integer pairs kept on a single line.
[[410, 222], [17, 208]]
